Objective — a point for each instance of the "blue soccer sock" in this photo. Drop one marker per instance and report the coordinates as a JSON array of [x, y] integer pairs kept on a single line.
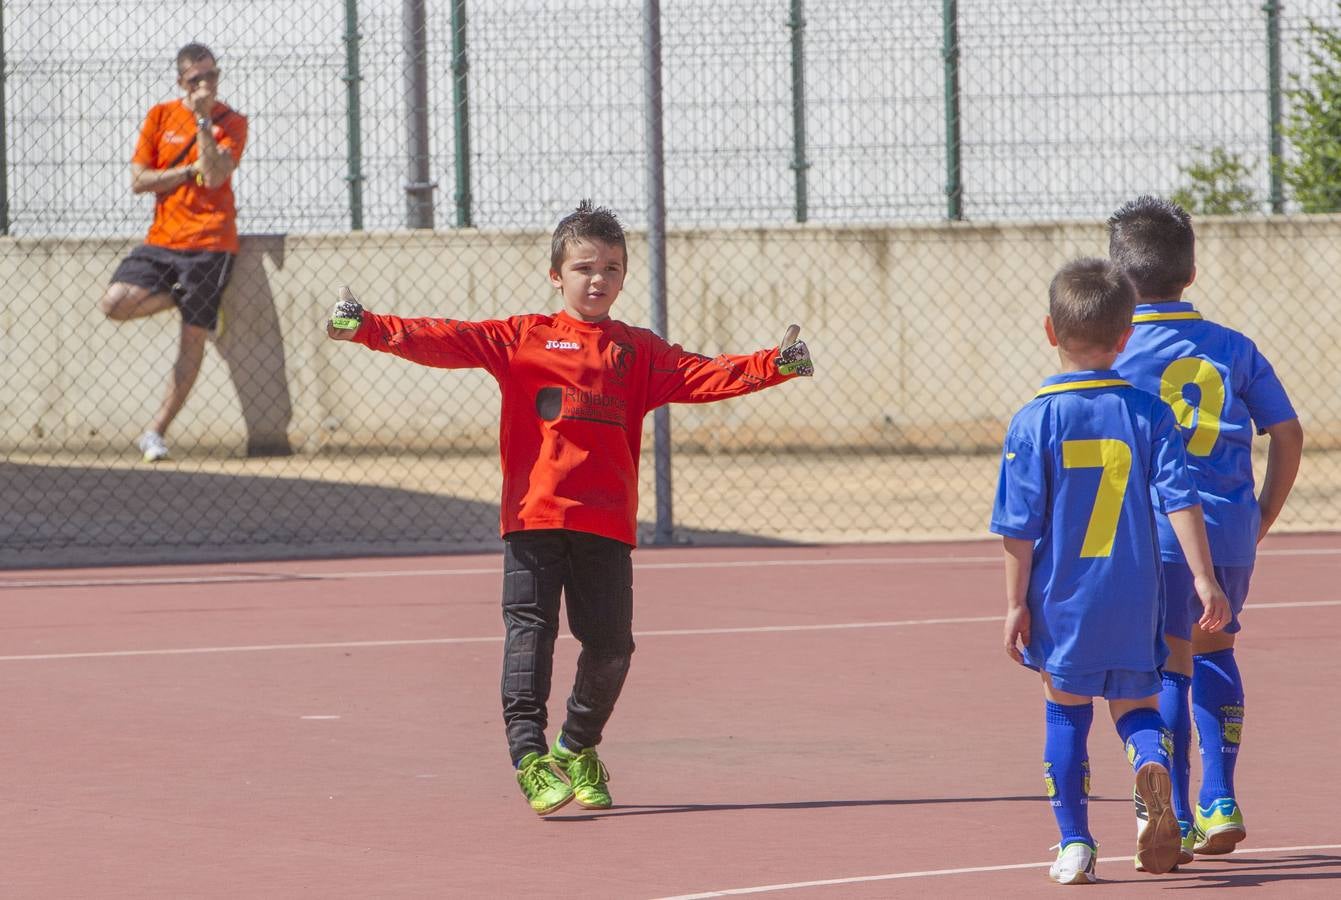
[[1217, 706], [1145, 737], [1066, 769], [1176, 711]]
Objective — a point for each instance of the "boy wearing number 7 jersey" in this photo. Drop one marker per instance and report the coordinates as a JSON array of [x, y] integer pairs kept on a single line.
[[1082, 464], [1219, 386]]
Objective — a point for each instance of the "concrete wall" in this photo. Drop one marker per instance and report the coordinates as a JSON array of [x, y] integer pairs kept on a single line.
[[928, 336]]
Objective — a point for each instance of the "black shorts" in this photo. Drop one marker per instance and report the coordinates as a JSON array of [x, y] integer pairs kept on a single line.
[[195, 278]]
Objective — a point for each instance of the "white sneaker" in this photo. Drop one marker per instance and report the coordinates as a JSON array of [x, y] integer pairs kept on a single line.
[[152, 446], [1074, 865]]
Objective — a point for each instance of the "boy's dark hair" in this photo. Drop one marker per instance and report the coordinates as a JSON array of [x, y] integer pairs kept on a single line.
[[1152, 240], [1090, 302], [587, 222], [193, 53]]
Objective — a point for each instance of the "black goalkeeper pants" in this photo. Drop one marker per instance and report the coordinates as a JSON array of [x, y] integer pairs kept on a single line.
[[595, 576]]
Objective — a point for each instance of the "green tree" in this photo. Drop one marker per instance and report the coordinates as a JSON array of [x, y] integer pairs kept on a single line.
[[1217, 184], [1313, 125]]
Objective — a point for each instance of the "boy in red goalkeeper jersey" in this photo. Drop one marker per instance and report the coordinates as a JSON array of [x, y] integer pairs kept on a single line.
[[576, 385]]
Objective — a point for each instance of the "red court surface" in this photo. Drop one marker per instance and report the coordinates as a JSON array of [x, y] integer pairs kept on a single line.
[[813, 722]]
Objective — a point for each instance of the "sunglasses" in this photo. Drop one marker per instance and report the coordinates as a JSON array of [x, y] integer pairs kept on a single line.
[[209, 77]]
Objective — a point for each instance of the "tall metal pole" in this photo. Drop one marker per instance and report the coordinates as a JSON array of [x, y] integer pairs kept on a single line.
[[656, 253], [354, 124], [954, 186], [418, 185], [797, 24], [4, 134], [1276, 163], [461, 113]]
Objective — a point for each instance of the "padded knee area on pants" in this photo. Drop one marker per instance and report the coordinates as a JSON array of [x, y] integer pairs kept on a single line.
[[605, 664], [600, 676]]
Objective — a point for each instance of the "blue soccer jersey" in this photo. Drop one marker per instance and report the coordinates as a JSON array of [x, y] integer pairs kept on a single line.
[[1219, 386], [1080, 466]]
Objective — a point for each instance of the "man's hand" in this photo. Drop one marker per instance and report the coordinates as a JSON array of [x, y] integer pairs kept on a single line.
[[793, 355], [345, 317], [200, 100]]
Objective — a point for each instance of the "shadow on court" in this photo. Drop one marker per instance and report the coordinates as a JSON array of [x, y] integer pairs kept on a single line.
[[801, 805], [85, 516], [59, 516], [1249, 871]]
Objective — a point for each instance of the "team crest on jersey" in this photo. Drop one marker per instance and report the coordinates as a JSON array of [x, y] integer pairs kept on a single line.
[[562, 345], [621, 361]]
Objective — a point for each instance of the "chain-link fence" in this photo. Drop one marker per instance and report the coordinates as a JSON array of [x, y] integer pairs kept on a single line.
[[902, 179]]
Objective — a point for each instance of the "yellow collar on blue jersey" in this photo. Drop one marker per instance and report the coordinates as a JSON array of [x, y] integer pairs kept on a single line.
[[1081, 385], [1182, 310]]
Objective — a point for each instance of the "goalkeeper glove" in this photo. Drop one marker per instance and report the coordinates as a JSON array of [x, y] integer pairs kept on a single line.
[[793, 355], [347, 314]]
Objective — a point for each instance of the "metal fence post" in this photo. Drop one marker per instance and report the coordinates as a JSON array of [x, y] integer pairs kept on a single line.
[[418, 186], [656, 254], [954, 187], [1275, 162], [797, 24], [354, 125], [461, 113], [4, 134]]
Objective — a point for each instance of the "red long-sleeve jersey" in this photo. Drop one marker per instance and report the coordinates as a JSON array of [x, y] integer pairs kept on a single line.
[[574, 397]]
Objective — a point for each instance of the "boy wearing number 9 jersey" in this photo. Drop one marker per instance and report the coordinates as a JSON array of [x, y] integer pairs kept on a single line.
[[1082, 464], [1219, 386]]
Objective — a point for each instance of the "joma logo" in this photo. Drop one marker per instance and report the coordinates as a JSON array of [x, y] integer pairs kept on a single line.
[[562, 345]]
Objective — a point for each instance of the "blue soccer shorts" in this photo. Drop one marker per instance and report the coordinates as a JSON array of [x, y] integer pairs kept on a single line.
[[1111, 684], [1182, 609]]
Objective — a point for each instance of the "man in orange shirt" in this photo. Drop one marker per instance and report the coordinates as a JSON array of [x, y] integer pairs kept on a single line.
[[186, 154], [576, 385]]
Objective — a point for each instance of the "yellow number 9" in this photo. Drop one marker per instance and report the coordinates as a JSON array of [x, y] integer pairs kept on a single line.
[[1203, 419]]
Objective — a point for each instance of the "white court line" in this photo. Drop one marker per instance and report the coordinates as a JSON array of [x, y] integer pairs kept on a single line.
[[498, 639], [931, 873], [261, 577], [249, 648]]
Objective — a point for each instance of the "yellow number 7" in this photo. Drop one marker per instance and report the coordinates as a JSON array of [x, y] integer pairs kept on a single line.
[[1114, 457]]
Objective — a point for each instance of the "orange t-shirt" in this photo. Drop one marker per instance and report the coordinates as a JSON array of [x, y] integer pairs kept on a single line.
[[574, 397], [191, 217]]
